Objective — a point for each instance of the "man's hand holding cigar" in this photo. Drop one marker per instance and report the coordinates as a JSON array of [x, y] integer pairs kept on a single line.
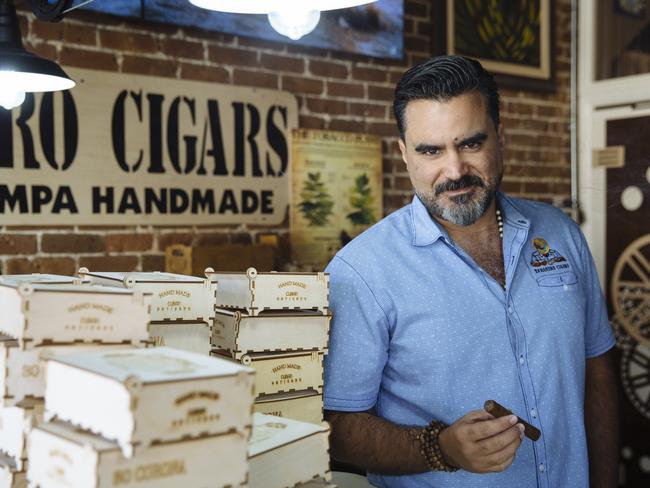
[[482, 443]]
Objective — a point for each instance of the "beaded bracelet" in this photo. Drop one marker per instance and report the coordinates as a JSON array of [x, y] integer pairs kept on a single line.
[[427, 439]]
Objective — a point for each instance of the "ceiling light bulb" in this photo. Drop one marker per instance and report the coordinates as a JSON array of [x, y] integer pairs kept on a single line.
[[11, 98], [294, 23]]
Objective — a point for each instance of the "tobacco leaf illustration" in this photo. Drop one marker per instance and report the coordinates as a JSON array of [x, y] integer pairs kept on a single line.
[[499, 30], [361, 200], [316, 205]]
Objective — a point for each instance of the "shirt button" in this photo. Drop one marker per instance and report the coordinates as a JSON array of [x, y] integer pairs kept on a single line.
[[533, 413], [510, 309], [521, 360], [541, 467]]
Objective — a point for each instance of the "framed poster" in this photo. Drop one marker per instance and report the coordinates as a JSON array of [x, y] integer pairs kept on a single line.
[[336, 192], [512, 40]]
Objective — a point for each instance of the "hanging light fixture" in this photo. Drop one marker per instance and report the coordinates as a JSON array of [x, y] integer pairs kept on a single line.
[[20, 70], [290, 18]]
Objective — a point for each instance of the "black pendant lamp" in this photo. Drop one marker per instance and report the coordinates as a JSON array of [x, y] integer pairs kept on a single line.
[[20, 70]]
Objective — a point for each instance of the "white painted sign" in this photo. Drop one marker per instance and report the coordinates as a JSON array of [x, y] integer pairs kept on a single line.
[[128, 149]]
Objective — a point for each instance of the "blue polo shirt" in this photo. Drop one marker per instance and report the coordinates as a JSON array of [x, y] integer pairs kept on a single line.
[[421, 332]]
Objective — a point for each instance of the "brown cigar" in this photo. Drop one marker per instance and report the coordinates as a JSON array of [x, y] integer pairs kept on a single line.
[[497, 410]]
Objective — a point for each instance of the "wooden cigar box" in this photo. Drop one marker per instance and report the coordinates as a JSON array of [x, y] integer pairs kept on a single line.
[[175, 297], [44, 279], [306, 406], [10, 477], [139, 396], [61, 456], [284, 452], [283, 373], [24, 369], [38, 314], [240, 334], [15, 425], [256, 292], [192, 337]]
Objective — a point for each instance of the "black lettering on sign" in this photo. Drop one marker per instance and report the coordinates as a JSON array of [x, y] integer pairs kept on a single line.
[[250, 202], [240, 129], [12, 200], [173, 144], [267, 202], [106, 199], [64, 200], [6, 139], [118, 130], [41, 195], [151, 198], [203, 203], [216, 152], [179, 201], [129, 201], [155, 133], [228, 203], [26, 111], [277, 141], [70, 129]]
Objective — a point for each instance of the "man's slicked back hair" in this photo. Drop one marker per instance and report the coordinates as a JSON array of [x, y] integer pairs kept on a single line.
[[441, 79]]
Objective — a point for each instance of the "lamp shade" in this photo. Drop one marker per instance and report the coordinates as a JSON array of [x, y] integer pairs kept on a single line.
[[21, 70], [268, 6]]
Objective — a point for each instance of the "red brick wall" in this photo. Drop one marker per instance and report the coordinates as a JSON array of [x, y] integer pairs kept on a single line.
[[334, 90]]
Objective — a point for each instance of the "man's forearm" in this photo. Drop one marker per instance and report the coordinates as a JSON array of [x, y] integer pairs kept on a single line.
[[370, 442], [602, 421]]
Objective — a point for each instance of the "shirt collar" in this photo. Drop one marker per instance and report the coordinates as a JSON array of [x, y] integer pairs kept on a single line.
[[426, 230]]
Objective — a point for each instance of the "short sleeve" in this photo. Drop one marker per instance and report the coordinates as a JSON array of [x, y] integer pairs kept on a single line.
[[359, 338], [599, 337]]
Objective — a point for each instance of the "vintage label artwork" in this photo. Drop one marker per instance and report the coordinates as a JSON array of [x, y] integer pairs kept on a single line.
[[336, 192]]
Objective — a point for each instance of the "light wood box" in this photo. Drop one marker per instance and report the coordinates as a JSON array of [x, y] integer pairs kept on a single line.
[[304, 406], [140, 396], [239, 333], [191, 337], [62, 457], [284, 373], [284, 452], [42, 278], [36, 314], [9, 476], [256, 292], [24, 369], [15, 425], [175, 297]]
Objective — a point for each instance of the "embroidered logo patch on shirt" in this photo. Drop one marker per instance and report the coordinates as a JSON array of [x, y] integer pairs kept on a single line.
[[545, 259]]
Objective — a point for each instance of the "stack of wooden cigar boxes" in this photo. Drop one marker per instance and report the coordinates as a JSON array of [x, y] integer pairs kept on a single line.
[[182, 307], [45, 316], [284, 453], [277, 323], [155, 417]]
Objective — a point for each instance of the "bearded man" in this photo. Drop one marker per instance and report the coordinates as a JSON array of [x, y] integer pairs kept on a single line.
[[442, 305]]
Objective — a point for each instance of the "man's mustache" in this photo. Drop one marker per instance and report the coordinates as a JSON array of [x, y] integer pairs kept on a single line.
[[463, 182]]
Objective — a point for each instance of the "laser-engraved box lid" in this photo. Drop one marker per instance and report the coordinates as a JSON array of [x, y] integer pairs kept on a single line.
[[284, 452], [176, 297], [42, 278], [139, 396], [257, 292], [38, 313], [62, 456], [24, 368]]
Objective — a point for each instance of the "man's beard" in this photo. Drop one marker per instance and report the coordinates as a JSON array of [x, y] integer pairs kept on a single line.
[[463, 209]]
